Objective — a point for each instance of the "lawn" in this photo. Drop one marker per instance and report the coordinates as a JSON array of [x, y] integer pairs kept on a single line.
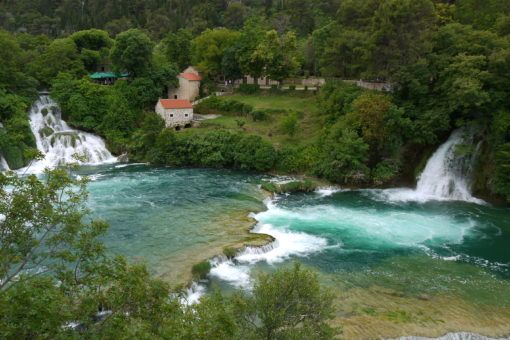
[[309, 124]]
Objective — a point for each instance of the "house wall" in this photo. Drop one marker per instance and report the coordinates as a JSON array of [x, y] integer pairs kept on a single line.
[[188, 90], [175, 117]]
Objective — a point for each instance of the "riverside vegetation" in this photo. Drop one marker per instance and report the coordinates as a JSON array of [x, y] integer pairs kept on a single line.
[[448, 61]]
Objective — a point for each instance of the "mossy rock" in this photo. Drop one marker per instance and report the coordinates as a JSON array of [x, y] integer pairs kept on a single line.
[[200, 270], [290, 187], [230, 252], [46, 131], [44, 112]]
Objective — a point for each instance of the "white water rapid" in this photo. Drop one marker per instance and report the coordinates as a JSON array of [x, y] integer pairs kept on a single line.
[[447, 175], [59, 143]]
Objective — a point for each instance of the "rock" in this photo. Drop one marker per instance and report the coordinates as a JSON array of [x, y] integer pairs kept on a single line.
[[124, 158]]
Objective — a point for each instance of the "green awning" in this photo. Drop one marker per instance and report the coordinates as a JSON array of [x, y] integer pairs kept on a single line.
[[105, 75]]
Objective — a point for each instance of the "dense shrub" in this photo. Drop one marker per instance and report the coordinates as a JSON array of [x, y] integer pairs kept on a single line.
[[216, 149], [248, 88], [215, 105]]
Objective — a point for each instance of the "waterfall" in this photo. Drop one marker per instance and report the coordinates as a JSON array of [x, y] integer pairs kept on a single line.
[[447, 174], [59, 143], [3, 164]]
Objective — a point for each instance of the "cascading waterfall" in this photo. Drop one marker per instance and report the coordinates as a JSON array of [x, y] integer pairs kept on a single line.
[[3, 164], [448, 174], [59, 143]]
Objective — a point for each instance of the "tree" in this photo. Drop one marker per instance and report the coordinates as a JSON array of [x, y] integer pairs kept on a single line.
[[235, 15], [61, 56], [13, 76], [251, 35], [287, 304], [344, 155], [132, 53], [209, 48], [278, 54], [177, 48], [400, 33]]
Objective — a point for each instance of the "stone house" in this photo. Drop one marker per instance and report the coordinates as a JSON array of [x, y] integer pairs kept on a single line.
[[176, 113], [189, 85]]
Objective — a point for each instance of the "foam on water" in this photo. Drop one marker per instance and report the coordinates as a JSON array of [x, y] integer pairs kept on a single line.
[[287, 243], [327, 191], [233, 273], [193, 294], [59, 143], [366, 226]]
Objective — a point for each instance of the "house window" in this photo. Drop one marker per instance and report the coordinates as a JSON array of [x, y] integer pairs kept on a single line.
[[171, 114], [185, 115]]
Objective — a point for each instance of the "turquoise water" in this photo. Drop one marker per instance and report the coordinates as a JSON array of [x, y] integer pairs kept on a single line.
[[169, 218], [173, 218]]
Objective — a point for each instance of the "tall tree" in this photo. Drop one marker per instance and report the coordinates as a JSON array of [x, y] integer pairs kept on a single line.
[[132, 52]]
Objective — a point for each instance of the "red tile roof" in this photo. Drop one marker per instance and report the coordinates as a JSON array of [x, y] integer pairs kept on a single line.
[[190, 76], [176, 104]]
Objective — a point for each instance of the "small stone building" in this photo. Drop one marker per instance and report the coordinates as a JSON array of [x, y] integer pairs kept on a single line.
[[176, 113], [189, 85]]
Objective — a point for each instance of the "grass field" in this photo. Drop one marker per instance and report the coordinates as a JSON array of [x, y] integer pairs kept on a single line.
[[309, 124]]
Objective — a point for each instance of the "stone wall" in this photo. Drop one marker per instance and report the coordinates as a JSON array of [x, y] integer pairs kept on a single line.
[[188, 90], [175, 117]]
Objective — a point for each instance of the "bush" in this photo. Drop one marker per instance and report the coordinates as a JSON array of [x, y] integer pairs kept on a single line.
[[230, 252], [215, 105], [289, 124], [248, 88], [259, 115], [306, 88], [200, 270], [292, 87]]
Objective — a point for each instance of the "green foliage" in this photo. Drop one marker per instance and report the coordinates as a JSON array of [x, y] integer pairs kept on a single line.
[[230, 252], [62, 55], [132, 53], [16, 136], [291, 304], [248, 88], [344, 156], [200, 270], [215, 104], [278, 55], [335, 99], [14, 76], [177, 48], [207, 50], [218, 149], [290, 187], [289, 124]]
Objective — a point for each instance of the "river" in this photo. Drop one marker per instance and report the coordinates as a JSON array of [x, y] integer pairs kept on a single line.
[[422, 261]]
